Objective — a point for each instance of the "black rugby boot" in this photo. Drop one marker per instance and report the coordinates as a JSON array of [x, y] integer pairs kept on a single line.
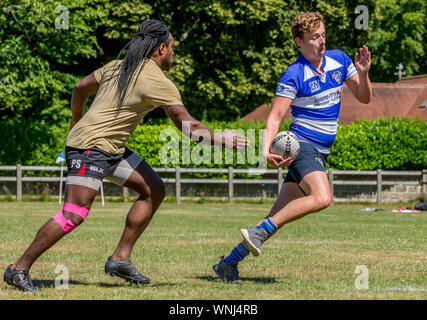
[[19, 279], [125, 270]]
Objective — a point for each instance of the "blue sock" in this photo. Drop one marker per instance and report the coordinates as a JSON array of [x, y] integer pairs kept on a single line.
[[268, 225], [238, 254]]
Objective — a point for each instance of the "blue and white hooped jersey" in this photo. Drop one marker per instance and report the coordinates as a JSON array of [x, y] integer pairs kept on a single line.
[[316, 97]]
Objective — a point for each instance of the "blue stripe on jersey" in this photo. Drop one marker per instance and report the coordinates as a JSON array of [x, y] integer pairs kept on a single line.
[[316, 96], [321, 139], [330, 113]]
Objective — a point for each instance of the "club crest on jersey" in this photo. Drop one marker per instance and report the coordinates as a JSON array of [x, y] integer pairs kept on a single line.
[[337, 76], [314, 86]]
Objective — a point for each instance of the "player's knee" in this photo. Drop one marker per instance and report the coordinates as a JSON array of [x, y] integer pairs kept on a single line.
[[71, 216], [156, 190], [74, 218], [323, 202]]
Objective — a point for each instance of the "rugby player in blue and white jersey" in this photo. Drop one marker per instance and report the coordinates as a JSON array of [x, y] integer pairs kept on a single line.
[[312, 88]]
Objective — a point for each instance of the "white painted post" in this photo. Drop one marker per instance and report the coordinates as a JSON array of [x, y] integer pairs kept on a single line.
[[230, 185], [102, 193], [60, 182], [18, 182], [379, 185], [178, 184], [424, 182], [125, 194]]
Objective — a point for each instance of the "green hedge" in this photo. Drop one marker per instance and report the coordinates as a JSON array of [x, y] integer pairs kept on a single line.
[[389, 144], [154, 142], [29, 142]]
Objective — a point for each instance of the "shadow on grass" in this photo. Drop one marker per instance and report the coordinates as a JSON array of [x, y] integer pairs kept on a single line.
[[128, 285], [256, 280], [51, 283]]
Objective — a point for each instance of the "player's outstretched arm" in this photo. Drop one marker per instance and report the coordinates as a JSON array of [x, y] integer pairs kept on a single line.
[[81, 91], [278, 110], [199, 132], [359, 84]]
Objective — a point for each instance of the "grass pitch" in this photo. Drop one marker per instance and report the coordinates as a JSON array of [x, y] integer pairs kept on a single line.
[[313, 258]]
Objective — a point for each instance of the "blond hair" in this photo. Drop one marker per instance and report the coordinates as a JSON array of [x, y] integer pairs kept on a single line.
[[305, 22]]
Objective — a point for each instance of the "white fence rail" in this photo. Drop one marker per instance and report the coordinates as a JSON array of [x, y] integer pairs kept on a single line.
[[379, 182]]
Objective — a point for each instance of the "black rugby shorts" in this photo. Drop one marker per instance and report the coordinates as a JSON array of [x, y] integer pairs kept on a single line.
[[88, 167], [308, 160]]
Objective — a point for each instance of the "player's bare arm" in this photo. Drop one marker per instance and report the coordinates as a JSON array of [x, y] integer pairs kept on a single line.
[[279, 108], [179, 114], [359, 84], [82, 90]]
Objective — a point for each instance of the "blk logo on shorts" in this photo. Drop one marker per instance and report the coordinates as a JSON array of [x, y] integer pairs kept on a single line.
[[96, 169]]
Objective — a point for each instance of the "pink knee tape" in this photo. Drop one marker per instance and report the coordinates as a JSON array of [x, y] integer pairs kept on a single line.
[[64, 223], [68, 225], [73, 208]]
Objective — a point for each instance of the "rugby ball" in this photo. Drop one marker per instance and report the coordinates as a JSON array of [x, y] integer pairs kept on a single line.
[[285, 144]]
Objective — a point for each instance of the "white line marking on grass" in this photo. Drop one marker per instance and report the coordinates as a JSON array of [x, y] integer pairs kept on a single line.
[[198, 234], [412, 289]]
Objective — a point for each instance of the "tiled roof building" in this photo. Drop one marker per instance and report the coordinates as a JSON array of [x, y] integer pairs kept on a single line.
[[407, 97]]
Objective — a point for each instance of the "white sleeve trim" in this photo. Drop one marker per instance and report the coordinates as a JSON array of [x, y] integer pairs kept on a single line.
[[286, 91], [351, 71]]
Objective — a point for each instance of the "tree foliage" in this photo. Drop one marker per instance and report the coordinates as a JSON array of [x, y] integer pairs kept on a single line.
[[43, 55], [228, 54]]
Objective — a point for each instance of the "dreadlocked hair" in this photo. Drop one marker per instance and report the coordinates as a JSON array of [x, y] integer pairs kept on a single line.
[[150, 35]]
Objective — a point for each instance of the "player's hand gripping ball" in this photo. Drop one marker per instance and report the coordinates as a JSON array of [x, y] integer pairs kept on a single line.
[[285, 144]]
